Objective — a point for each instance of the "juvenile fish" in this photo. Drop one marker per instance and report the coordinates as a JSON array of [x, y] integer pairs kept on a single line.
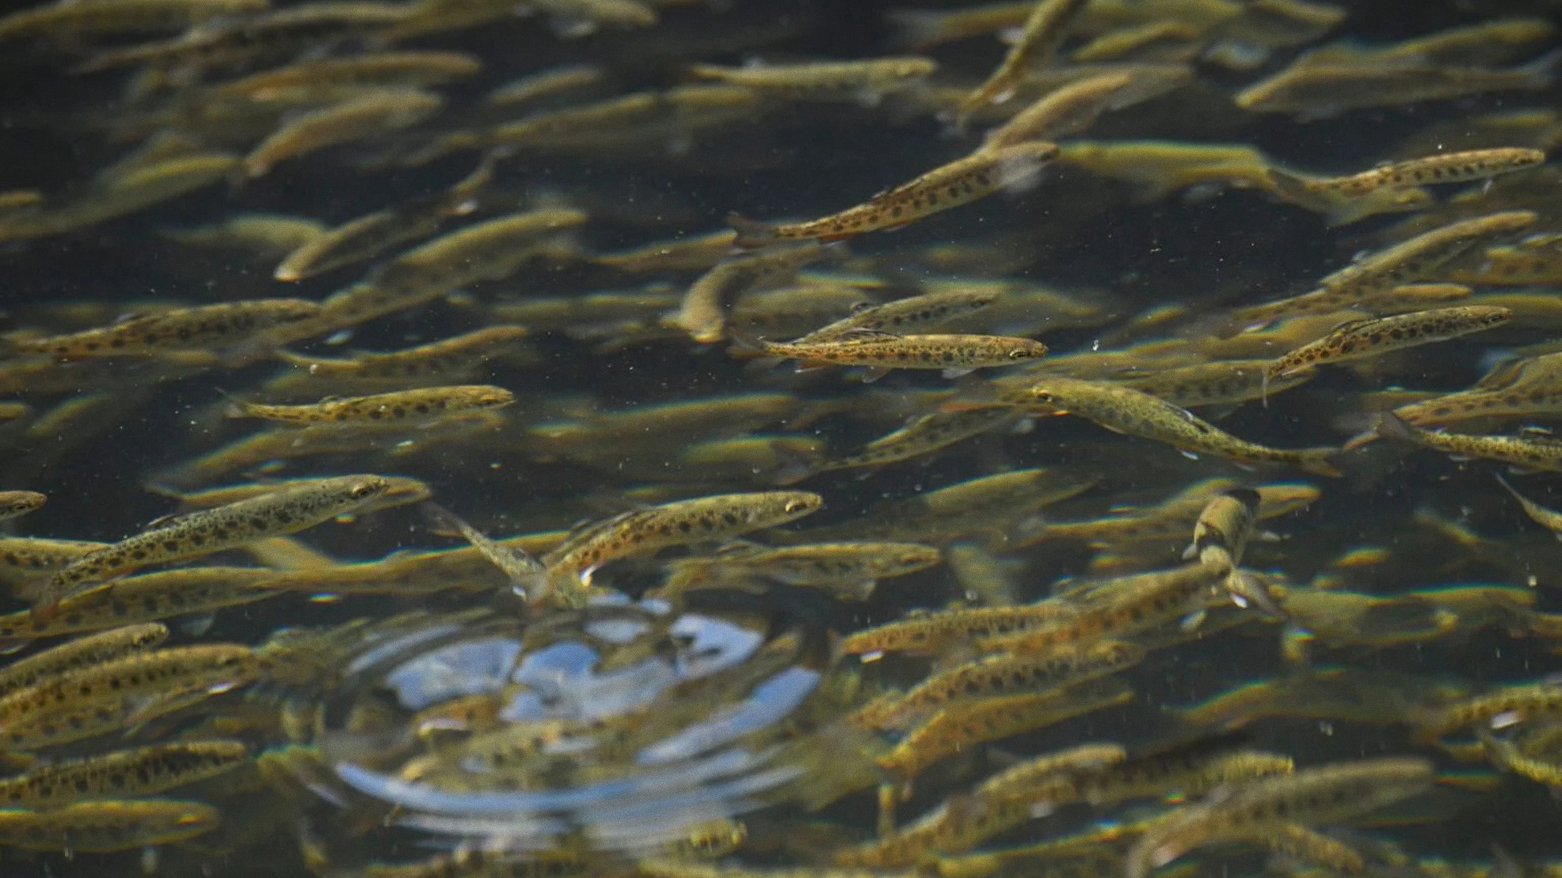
[[1119, 607], [1452, 167], [923, 435], [370, 235], [225, 326], [383, 408], [1038, 41], [1549, 519], [908, 315], [962, 725], [1359, 339], [352, 119], [136, 600], [934, 632], [439, 362], [145, 771], [1412, 260], [490, 250], [67, 20], [847, 569], [880, 351], [106, 825], [960, 182], [79, 653], [1537, 452], [704, 312], [1076, 106], [1125, 410], [1018, 672], [14, 504], [24, 558], [1222, 382], [201, 533], [867, 81], [646, 531], [1313, 91]]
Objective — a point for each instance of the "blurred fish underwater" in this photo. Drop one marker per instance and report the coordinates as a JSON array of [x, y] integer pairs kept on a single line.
[[780, 438]]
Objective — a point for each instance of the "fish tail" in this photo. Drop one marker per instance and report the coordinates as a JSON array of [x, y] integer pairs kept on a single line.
[[1292, 188], [1541, 72], [1322, 462], [747, 347], [1392, 426], [752, 233]]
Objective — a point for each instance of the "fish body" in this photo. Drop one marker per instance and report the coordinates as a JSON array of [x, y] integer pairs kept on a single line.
[[852, 79], [960, 182], [14, 504], [200, 533], [1366, 338], [909, 315], [1125, 410], [381, 408], [1452, 167], [105, 825], [202, 328], [646, 531], [1040, 36], [352, 119], [145, 771], [1538, 452], [951, 353]]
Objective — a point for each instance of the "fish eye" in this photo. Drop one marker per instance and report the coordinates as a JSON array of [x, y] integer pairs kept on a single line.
[[1041, 396], [1018, 354]]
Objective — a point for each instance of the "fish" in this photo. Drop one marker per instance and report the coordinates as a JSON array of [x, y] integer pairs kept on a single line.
[[1369, 337], [1119, 607], [117, 16], [948, 186], [923, 435], [372, 234], [955, 355], [1521, 702], [1039, 38], [867, 81], [1451, 167], [105, 825], [1541, 515], [1075, 107], [374, 69], [571, 565], [343, 122], [905, 316], [849, 570], [1125, 410], [1324, 794], [284, 511], [1216, 383], [14, 504], [79, 653], [965, 724], [144, 771], [1409, 261], [1319, 90], [704, 312], [1007, 673], [935, 632], [1537, 452], [141, 599], [228, 328], [383, 408]]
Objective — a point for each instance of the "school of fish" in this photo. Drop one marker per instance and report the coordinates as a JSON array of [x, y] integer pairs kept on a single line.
[[781, 439]]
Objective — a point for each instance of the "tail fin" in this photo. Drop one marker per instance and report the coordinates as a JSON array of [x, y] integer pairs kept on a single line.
[[752, 233]]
